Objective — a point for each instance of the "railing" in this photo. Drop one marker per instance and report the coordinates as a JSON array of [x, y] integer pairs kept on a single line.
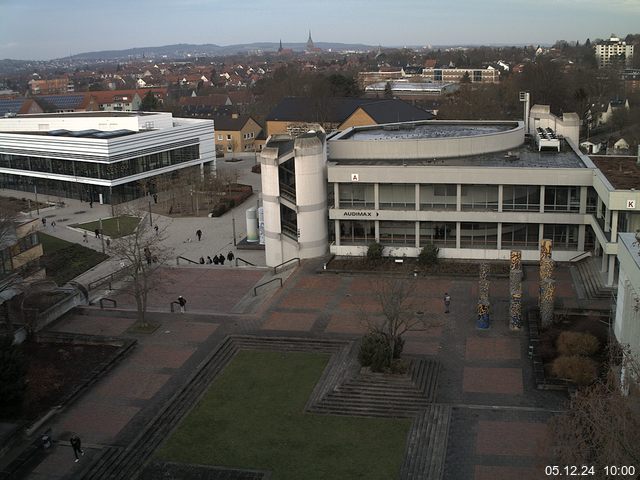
[[185, 258], [275, 269], [244, 261], [107, 279], [581, 256], [255, 289], [114, 303]]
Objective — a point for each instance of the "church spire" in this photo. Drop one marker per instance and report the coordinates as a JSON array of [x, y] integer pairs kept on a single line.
[[310, 45], [280, 48]]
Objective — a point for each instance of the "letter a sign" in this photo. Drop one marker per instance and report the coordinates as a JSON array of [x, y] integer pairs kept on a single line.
[[355, 177]]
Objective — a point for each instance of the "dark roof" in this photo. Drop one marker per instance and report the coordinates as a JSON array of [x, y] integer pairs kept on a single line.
[[393, 110], [11, 105], [338, 109], [228, 123], [60, 102], [622, 172], [332, 109]]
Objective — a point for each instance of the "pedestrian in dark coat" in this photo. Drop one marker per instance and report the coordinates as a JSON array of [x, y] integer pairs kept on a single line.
[[76, 444], [447, 302], [199, 234], [230, 256], [209, 261], [221, 259], [201, 260], [97, 232], [182, 302], [215, 260]]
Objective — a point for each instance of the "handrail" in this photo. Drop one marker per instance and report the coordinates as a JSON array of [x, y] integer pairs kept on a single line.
[[255, 289], [245, 261], [275, 269], [107, 278], [580, 256], [184, 258], [115, 304]]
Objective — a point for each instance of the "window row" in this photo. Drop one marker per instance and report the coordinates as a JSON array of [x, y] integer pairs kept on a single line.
[[106, 171], [472, 235], [473, 197]]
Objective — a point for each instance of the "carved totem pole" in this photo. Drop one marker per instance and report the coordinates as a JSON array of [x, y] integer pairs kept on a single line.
[[483, 321], [547, 284], [515, 290]]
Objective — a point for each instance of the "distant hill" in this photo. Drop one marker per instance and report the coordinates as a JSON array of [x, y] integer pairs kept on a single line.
[[182, 50]]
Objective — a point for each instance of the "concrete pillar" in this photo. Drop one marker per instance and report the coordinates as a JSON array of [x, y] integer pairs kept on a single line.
[[336, 195], [614, 226], [377, 230], [417, 234], [605, 258], [417, 197], [581, 237], [458, 234], [583, 200], [336, 226], [612, 270], [607, 220], [541, 202], [500, 198], [499, 234], [540, 232], [376, 196], [598, 208], [458, 199]]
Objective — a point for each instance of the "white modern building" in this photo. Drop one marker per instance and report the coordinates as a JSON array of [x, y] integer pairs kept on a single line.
[[614, 48], [100, 156], [475, 189]]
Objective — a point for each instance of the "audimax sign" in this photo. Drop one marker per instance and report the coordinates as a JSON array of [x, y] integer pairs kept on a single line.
[[360, 213]]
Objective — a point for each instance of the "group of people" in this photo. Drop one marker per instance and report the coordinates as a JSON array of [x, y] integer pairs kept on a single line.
[[217, 259]]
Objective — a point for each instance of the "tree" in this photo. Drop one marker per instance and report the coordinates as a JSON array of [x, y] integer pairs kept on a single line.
[[465, 78], [401, 313], [8, 216], [142, 253], [388, 91], [149, 102], [602, 426], [12, 376]]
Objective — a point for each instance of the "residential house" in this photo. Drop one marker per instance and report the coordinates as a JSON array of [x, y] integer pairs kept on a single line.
[[20, 252], [235, 133], [612, 106]]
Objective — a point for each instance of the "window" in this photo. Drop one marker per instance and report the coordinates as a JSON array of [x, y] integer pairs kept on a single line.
[[479, 235], [228, 137], [521, 198], [398, 233], [562, 199], [438, 197], [229, 148], [441, 234], [356, 195], [357, 232], [520, 235], [401, 196], [480, 197], [220, 136], [289, 222], [564, 237]]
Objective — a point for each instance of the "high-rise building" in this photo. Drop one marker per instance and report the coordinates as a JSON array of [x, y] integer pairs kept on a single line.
[[608, 51]]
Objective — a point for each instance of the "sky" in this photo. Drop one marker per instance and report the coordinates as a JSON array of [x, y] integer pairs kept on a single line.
[[47, 29]]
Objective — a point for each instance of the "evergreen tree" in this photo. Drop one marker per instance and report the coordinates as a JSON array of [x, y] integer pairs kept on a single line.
[[149, 102]]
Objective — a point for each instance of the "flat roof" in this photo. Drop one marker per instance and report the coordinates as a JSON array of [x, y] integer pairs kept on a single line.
[[426, 130], [623, 173], [525, 156], [100, 113], [90, 133], [628, 240]]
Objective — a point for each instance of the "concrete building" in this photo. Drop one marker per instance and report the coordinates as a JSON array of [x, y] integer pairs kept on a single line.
[[456, 75], [99, 156], [475, 189], [627, 321], [611, 50]]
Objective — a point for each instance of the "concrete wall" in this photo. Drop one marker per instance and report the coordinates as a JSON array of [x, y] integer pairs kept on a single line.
[[627, 321]]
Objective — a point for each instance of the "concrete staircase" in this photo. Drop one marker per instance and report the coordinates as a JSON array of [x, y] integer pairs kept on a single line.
[[587, 272], [427, 444]]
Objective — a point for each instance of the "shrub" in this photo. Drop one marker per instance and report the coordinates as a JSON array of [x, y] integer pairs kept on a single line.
[[580, 370], [577, 343], [375, 352], [399, 366], [428, 255], [399, 346], [546, 351], [374, 252]]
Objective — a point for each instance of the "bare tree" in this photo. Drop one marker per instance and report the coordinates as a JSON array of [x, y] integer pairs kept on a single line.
[[401, 311], [602, 425], [142, 253]]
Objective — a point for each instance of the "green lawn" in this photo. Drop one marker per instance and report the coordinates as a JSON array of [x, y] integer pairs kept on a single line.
[[252, 417], [113, 227], [64, 260]]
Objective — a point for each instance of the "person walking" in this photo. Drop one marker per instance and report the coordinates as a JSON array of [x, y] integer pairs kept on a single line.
[[221, 259], [155, 198], [97, 232], [108, 242], [182, 302], [76, 444], [201, 260], [447, 302], [147, 255], [53, 224], [199, 234], [84, 237], [44, 222], [216, 261], [230, 256], [156, 229], [209, 261]]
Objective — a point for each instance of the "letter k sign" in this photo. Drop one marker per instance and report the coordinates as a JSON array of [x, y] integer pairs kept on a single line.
[[631, 204]]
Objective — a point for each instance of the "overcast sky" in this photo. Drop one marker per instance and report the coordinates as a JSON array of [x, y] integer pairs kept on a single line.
[[45, 29]]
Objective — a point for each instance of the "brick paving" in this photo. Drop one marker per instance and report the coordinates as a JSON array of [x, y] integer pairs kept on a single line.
[[488, 368]]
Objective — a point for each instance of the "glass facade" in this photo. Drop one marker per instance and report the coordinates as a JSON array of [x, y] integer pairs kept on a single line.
[[397, 196], [521, 198], [357, 232], [438, 197], [562, 199], [441, 234], [520, 235], [356, 195], [104, 171], [479, 235], [564, 237], [398, 233], [480, 197]]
